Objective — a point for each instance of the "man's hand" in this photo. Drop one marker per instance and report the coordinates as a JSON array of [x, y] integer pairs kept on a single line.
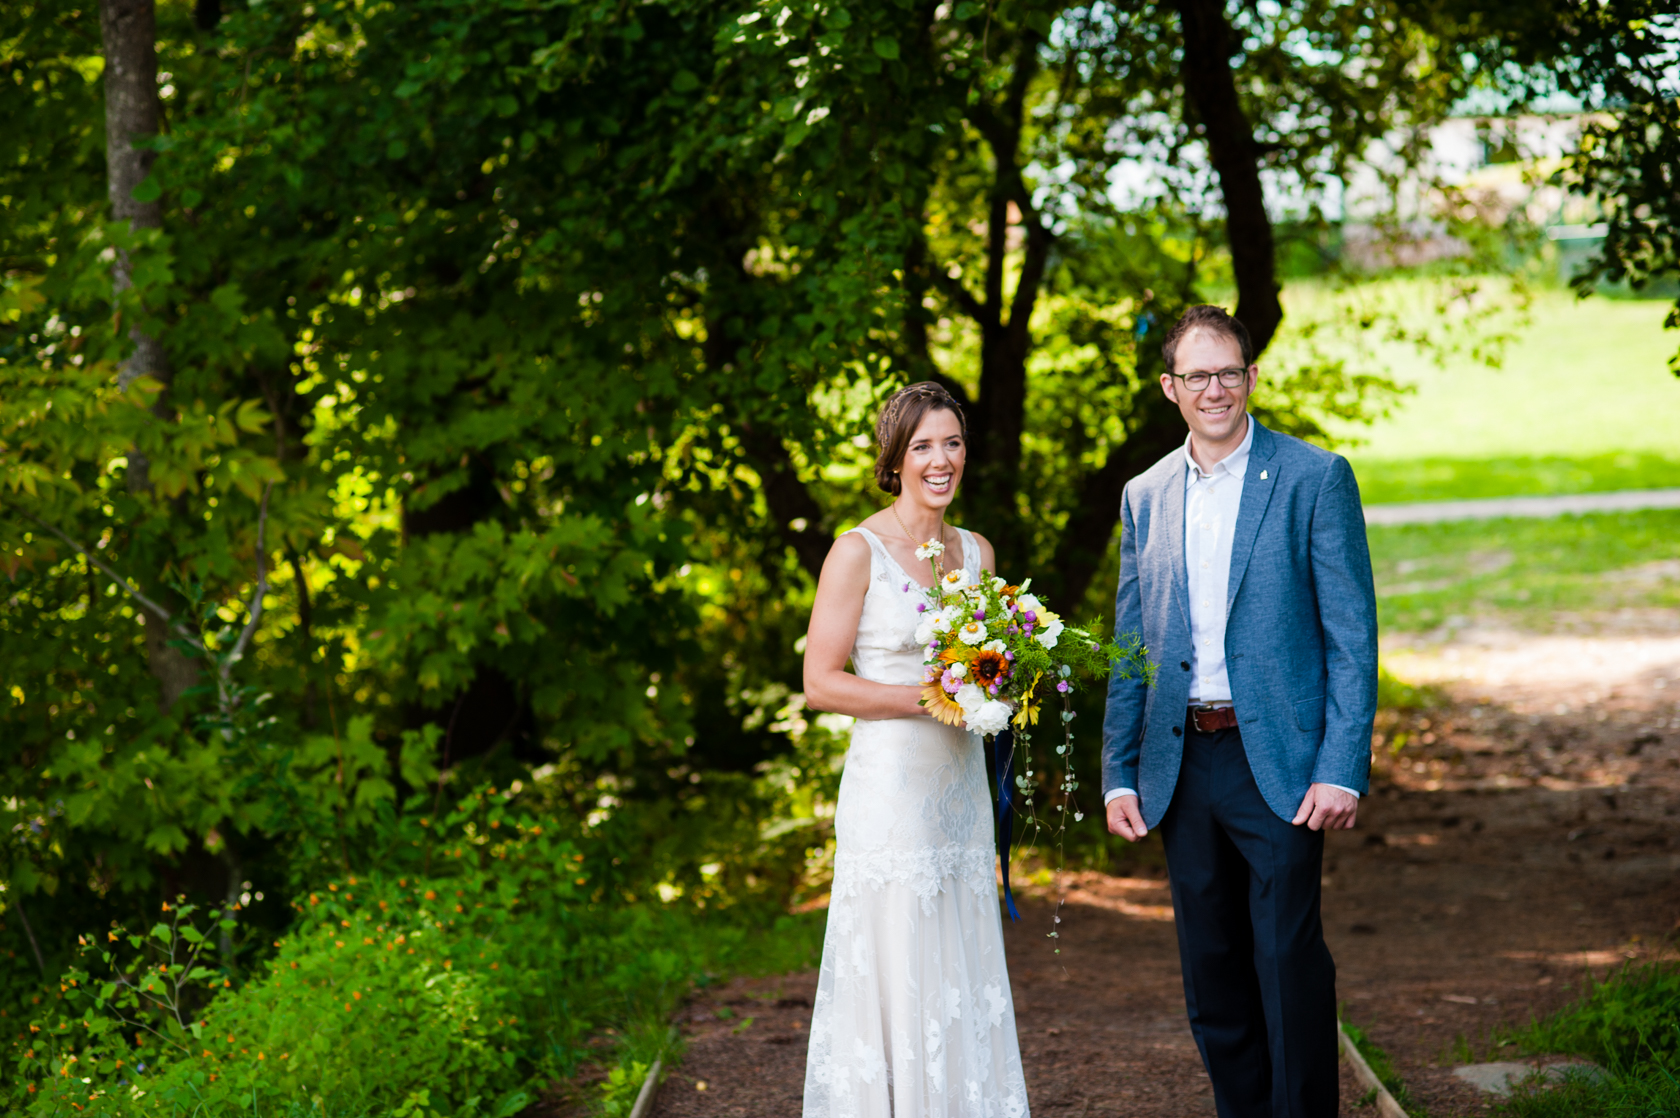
[[1325, 808], [1125, 820]]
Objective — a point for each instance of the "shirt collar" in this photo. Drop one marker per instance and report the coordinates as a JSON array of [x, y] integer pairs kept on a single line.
[[1234, 463]]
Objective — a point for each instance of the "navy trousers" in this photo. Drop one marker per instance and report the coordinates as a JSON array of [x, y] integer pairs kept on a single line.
[[1258, 979]]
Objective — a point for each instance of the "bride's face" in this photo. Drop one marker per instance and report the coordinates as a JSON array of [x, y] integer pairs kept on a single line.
[[933, 462]]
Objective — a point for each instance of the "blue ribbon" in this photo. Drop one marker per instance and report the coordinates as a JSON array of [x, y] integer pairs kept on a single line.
[[1005, 744]]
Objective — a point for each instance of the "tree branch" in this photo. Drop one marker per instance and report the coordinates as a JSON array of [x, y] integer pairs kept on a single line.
[[965, 300], [133, 591], [256, 610], [797, 516], [1211, 88]]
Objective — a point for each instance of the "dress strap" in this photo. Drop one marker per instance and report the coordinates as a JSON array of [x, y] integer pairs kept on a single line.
[[877, 549]]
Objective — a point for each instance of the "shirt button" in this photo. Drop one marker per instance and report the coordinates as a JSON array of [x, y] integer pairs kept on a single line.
[[1204, 566]]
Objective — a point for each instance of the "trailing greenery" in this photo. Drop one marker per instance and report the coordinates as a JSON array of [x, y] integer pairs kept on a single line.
[[1629, 1025]]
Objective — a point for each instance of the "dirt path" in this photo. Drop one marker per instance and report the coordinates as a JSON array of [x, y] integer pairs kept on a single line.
[[1527, 834]]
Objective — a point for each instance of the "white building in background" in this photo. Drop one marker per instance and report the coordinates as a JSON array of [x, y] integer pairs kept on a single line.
[[1492, 168]]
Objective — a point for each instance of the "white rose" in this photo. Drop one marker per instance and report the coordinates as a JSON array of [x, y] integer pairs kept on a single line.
[[992, 717], [973, 632], [970, 698], [924, 628], [994, 646], [1048, 629]]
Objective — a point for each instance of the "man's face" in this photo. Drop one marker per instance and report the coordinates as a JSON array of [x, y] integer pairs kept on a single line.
[[1215, 414]]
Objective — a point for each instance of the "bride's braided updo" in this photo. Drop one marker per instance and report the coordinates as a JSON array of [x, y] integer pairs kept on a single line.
[[898, 422]]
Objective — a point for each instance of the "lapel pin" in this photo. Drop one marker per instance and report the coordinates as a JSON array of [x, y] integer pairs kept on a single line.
[[1262, 475]]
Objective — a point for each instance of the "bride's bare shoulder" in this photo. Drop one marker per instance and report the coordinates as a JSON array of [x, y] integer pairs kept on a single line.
[[848, 551]]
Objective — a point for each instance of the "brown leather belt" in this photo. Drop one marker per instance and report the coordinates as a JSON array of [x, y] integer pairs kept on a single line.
[[1208, 719]]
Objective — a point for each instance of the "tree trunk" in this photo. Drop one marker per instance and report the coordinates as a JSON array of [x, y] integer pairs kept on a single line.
[[129, 31], [1212, 89]]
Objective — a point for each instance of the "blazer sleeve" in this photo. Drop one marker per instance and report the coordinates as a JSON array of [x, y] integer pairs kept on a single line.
[[1123, 721], [1347, 611]]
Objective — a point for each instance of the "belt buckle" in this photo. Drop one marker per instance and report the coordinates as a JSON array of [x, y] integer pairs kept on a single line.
[[1196, 713]]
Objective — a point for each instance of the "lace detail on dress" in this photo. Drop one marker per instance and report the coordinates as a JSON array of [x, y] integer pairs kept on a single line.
[[913, 1015], [924, 871]]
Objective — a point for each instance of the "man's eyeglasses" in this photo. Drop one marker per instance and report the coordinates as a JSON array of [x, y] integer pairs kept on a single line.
[[1234, 377]]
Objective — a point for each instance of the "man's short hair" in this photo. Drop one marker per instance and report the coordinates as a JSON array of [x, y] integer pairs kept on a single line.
[[1206, 316]]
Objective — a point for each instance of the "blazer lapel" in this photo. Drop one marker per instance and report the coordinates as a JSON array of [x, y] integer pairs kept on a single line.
[[1173, 505], [1258, 483]]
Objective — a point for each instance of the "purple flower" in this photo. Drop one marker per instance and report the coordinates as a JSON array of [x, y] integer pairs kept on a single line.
[[1010, 656], [907, 586], [980, 614], [1063, 687], [1030, 616], [921, 607], [1027, 628], [993, 689]]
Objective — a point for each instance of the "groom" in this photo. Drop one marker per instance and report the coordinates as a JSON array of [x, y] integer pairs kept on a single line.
[[1243, 565]]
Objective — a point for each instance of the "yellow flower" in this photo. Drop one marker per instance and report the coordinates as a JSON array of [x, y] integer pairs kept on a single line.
[[940, 705], [1028, 714]]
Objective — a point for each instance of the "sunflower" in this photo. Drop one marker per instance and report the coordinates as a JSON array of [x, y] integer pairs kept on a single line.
[[988, 667], [941, 705]]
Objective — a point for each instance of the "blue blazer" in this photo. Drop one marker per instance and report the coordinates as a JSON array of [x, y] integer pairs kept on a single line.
[[1300, 636]]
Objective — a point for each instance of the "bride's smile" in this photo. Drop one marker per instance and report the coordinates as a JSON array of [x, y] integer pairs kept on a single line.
[[930, 472]]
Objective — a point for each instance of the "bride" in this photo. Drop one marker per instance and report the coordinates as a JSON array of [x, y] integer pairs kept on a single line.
[[913, 1016]]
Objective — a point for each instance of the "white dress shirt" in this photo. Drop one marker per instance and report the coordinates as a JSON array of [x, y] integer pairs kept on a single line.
[[1212, 499]]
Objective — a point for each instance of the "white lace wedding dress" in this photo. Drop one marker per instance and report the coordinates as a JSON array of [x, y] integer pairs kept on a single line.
[[913, 1017]]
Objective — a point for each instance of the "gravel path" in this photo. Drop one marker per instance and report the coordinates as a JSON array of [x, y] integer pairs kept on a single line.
[[1494, 508]]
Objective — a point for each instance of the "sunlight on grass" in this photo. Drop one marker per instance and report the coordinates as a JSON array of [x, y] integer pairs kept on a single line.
[[1585, 378], [1389, 481], [1523, 572]]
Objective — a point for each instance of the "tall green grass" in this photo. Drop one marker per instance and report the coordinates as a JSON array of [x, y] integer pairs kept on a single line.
[[1630, 1026]]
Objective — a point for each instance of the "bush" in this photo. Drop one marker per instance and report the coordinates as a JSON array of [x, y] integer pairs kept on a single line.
[[458, 993]]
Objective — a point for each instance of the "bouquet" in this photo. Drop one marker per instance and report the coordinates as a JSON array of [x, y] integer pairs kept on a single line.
[[996, 657]]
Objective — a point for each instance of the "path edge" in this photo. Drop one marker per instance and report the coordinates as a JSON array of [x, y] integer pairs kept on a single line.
[[1386, 1104], [650, 1090]]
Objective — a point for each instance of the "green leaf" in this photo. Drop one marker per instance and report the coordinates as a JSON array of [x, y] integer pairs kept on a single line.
[[149, 190], [887, 48], [684, 81], [163, 933]]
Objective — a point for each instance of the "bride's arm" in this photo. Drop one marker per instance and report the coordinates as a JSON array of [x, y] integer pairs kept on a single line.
[[828, 643]]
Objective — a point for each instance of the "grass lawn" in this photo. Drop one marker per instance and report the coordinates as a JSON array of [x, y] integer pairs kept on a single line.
[[1525, 572], [1584, 402], [1396, 480]]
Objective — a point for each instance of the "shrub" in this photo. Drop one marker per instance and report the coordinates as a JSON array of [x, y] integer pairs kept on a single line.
[[1630, 1025]]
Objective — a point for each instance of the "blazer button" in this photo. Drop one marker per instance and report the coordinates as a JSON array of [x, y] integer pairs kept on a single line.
[[1185, 664], [1178, 731]]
